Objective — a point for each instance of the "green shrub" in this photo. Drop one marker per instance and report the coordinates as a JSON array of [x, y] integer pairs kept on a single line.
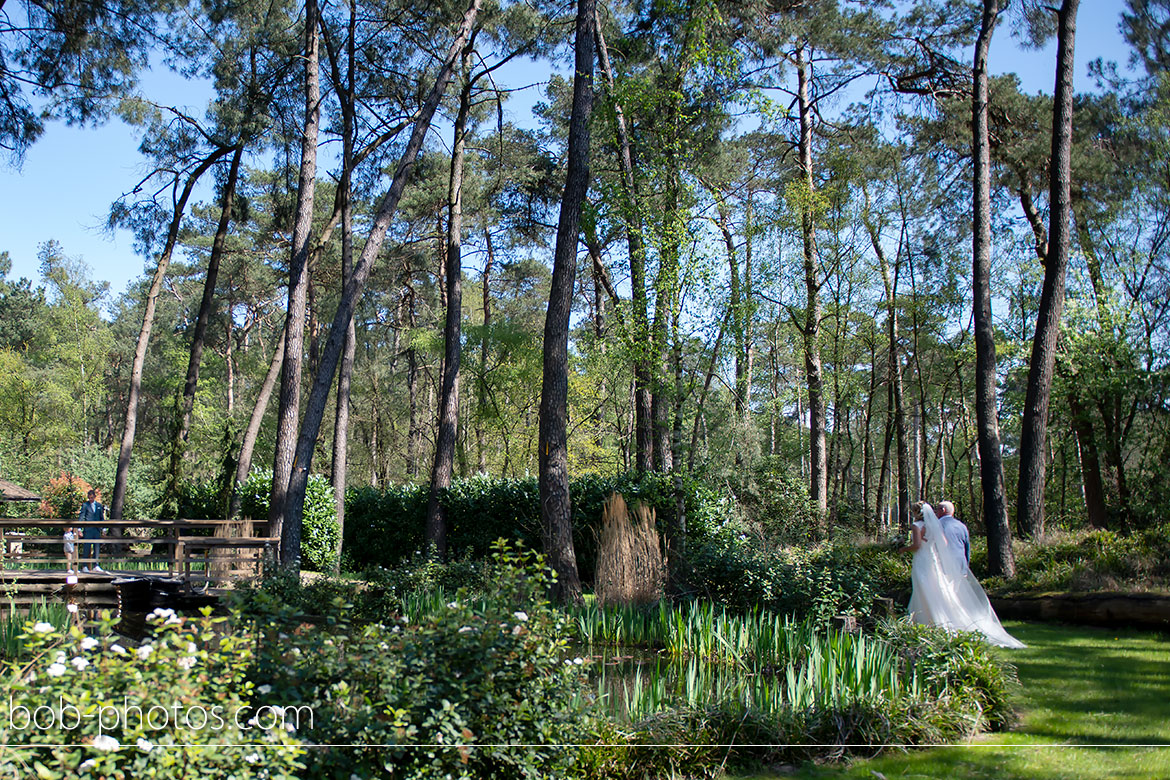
[[177, 706], [958, 667], [383, 527], [450, 693], [816, 582], [1086, 560], [319, 531]]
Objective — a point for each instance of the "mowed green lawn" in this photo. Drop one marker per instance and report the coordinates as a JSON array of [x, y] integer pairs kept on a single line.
[[1087, 696]]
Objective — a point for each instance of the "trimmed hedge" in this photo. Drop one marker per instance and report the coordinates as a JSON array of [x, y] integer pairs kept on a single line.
[[318, 533], [382, 527]]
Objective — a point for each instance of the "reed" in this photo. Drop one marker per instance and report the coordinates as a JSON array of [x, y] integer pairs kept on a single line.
[[13, 624], [631, 568]]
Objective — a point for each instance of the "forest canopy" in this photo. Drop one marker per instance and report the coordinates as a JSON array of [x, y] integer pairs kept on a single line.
[[819, 258]]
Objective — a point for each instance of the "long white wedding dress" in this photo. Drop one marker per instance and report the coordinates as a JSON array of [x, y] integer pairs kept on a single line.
[[946, 593]]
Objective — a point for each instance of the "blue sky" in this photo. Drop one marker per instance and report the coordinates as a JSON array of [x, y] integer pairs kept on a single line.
[[71, 176]]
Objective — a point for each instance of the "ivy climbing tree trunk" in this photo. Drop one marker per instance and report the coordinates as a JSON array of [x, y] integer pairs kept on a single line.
[[640, 335], [811, 327]]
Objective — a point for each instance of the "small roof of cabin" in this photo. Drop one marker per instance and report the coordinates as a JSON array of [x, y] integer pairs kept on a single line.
[[10, 491]]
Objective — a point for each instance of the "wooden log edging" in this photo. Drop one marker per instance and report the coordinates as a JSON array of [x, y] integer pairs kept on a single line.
[[1113, 610]]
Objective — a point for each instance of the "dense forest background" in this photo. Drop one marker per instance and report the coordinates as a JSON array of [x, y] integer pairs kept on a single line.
[[773, 286]]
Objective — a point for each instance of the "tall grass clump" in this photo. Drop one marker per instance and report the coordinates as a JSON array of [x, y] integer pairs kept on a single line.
[[631, 568], [15, 624]]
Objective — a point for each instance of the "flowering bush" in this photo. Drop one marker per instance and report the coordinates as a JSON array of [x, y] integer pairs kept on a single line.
[[176, 706], [473, 691], [63, 496]]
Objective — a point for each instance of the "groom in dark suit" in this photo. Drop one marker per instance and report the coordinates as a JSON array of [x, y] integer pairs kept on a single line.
[[954, 529], [91, 512]]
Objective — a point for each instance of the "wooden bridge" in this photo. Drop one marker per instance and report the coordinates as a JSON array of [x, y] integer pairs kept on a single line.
[[142, 563]]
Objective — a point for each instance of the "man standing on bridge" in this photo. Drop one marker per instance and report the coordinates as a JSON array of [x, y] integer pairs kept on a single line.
[[93, 513]]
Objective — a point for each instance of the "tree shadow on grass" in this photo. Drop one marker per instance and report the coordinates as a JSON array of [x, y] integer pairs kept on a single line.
[[1078, 686]]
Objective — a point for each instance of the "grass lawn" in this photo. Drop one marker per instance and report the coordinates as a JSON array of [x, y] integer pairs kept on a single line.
[[1098, 688]]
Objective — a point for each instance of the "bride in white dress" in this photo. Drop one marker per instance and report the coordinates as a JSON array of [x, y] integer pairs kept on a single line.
[[946, 593]]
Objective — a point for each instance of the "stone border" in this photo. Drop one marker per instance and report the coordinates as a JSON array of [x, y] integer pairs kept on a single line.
[[1115, 610]]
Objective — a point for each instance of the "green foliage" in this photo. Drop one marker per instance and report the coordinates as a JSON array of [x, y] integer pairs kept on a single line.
[[1086, 560], [958, 667], [818, 582], [463, 684], [384, 527], [778, 501], [932, 687], [318, 533], [96, 697]]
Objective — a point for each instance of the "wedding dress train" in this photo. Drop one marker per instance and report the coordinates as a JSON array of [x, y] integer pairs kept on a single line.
[[946, 593]]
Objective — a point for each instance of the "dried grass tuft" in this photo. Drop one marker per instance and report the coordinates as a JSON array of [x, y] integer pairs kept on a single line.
[[631, 565]]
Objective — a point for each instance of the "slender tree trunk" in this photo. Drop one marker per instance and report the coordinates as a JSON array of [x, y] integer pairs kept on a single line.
[[643, 372], [481, 395], [436, 523], [414, 431], [298, 286], [818, 483], [199, 335], [999, 538], [340, 460], [1090, 463], [1034, 429], [894, 366], [699, 406], [122, 476], [331, 354], [252, 432], [556, 521]]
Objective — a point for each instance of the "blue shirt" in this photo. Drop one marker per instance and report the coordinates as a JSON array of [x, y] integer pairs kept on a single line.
[[956, 534]]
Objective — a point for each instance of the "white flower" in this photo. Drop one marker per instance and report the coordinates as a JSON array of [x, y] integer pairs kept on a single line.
[[452, 604], [187, 662], [465, 629], [160, 614], [43, 628], [191, 648], [252, 758], [60, 657], [145, 744], [79, 663], [578, 661], [144, 652], [106, 742], [56, 670], [265, 689], [88, 763], [521, 616], [117, 648], [517, 629], [89, 643], [71, 607]]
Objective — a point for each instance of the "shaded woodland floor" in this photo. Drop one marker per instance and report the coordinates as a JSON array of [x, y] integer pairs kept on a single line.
[[1094, 703]]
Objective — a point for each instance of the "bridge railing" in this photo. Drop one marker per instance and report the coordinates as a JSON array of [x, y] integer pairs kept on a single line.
[[202, 553]]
